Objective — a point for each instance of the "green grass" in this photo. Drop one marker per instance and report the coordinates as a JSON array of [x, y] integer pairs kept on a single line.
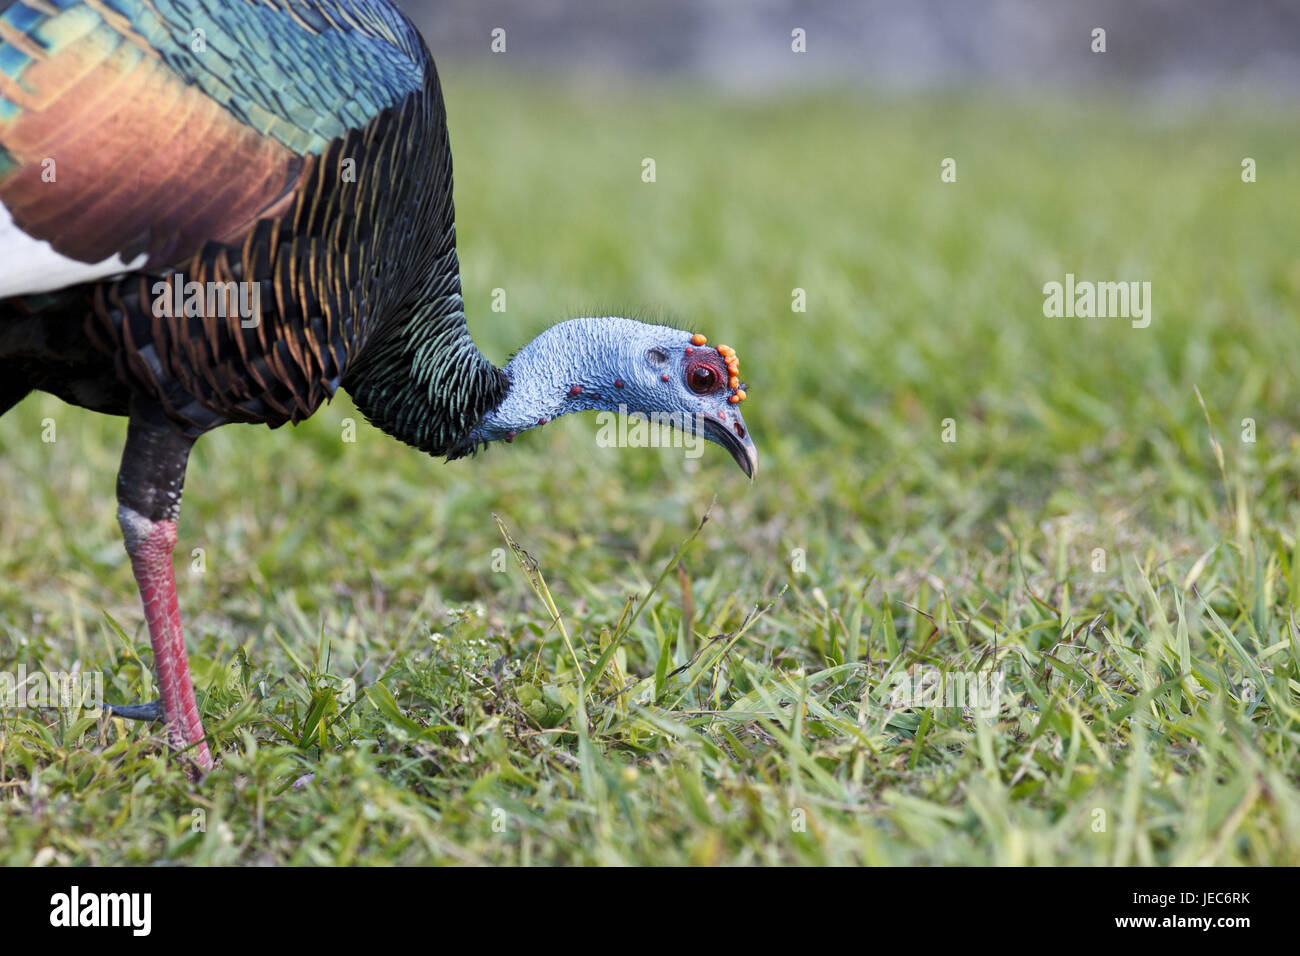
[[352, 622]]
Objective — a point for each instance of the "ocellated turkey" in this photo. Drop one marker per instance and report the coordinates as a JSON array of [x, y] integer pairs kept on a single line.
[[296, 154]]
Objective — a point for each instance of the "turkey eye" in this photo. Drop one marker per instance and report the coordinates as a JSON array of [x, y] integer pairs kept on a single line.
[[702, 379]]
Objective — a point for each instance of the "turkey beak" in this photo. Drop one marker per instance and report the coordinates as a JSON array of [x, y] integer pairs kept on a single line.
[[731, 434]]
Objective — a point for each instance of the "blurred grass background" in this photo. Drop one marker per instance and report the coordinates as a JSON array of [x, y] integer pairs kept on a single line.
[[1161, 691]]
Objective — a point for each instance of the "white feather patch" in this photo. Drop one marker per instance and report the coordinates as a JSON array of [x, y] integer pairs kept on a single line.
[[30, 265]]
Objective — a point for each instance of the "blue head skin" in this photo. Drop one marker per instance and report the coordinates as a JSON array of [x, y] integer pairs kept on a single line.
[[600, 364]]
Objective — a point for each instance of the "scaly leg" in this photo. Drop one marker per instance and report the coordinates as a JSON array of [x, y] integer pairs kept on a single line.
[[149, 497]]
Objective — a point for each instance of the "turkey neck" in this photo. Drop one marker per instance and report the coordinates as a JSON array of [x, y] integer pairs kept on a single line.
[[424, 381], [419, 376], [571, 367]]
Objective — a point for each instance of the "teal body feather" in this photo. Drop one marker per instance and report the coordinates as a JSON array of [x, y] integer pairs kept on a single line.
[[303, 73]]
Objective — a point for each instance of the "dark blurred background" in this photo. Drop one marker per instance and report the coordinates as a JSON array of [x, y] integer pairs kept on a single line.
[[1169, 47]]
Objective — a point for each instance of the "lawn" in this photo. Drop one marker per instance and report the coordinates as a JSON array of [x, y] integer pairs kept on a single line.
[[1111, 539]]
